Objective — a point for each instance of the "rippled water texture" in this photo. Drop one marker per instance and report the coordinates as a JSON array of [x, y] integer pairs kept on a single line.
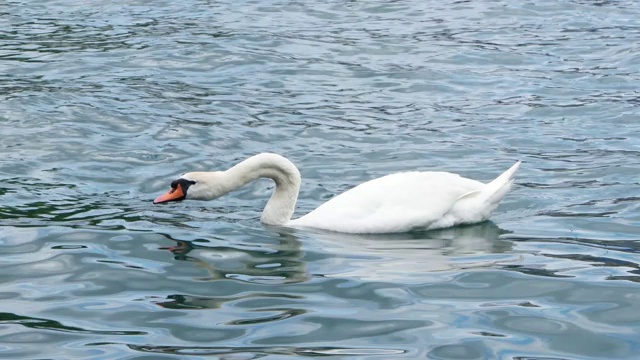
[[103, 103]]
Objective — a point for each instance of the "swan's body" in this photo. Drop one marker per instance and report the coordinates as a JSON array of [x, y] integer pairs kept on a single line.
[[394, 203]]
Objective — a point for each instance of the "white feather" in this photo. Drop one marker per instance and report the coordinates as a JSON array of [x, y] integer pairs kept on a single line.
[[394, 203]]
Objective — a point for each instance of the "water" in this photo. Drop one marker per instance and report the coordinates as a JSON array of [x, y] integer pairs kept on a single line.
[[103, 103]]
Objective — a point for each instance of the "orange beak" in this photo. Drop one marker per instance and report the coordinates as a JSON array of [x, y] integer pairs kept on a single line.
[[172, 195]]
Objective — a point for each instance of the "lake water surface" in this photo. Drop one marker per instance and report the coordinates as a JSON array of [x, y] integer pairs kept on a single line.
[[103, 103]]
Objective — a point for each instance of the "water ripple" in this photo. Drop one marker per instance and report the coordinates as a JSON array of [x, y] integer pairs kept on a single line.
[[103, 103]]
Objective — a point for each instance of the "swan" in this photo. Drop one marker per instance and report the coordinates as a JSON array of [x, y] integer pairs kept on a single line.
[[395, 203]]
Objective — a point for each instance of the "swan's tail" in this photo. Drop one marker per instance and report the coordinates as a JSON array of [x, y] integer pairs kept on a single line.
[[478, 205], [498, 188]]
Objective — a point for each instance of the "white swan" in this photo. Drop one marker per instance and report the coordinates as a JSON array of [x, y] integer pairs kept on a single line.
[[394, 203]]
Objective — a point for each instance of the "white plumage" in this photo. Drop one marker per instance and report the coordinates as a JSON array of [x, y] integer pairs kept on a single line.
[[394, 203]]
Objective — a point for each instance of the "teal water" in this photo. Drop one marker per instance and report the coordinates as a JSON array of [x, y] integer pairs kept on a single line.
[[103, 103]]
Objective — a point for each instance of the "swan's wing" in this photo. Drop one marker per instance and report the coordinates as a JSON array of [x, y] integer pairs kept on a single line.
[[393, 203]]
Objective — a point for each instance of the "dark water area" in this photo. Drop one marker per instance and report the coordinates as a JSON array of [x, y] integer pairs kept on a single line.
[[103, 103]]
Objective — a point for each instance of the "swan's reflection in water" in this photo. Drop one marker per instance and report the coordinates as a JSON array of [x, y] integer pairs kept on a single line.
[[263, 260], [297, 255], [276, 262], [410, 257]]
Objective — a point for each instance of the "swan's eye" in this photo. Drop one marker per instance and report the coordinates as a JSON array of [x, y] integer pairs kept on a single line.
[[184, 183]]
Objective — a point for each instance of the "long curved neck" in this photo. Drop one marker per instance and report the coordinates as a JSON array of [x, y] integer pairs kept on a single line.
[[283, 172]]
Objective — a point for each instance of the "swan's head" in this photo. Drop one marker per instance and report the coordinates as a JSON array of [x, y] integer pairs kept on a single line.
[[195, 186]]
